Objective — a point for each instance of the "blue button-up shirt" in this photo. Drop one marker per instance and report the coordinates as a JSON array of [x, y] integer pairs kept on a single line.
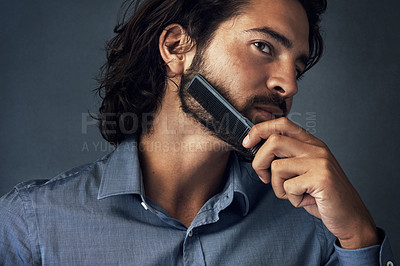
[[98, 214]]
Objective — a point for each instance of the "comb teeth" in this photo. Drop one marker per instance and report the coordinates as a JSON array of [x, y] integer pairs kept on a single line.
[[222, 111], [255, 149], [229, 118]]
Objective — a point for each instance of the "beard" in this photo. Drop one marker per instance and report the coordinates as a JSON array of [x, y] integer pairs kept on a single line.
[[215, 127]]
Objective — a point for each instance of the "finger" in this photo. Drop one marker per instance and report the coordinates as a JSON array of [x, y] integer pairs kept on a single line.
[[278, 146], [281, 126], [265, 176], [289, 179], [300, 190], [284, 169]]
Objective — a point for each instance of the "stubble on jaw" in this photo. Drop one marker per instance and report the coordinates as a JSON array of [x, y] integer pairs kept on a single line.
[[194, 110], [212, 126]]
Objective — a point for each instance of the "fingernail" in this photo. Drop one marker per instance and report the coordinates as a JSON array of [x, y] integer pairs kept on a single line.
[[246, 140], [264, 180]]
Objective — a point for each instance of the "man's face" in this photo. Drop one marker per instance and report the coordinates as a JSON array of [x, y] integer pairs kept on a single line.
[[253, 60]]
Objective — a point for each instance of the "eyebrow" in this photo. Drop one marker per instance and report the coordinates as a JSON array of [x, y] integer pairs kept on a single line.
[[303, 58]]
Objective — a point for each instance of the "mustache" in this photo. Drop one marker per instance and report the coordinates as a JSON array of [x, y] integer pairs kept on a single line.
[[269, 99]]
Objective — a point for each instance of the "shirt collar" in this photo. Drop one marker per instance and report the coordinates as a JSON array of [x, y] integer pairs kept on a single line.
[[246, 184], [122, 173]]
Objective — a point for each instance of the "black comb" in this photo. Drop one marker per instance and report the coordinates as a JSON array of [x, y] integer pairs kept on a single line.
[[222, 111]]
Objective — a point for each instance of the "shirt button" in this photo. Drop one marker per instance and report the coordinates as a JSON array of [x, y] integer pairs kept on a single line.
[[389, 263], [144, 206], [190, 233]]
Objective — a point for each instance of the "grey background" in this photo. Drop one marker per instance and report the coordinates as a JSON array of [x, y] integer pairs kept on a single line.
[[50, 51]]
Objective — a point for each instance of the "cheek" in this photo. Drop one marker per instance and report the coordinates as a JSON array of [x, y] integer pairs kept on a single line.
[[241, 64], [242, 73], [239, 74]]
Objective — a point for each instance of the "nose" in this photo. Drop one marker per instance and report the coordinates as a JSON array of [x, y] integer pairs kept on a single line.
[[282, 79]]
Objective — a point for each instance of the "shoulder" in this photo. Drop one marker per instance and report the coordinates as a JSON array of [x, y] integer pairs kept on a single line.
[[76, 174], [26, 193], [19, 208], [17, 227]]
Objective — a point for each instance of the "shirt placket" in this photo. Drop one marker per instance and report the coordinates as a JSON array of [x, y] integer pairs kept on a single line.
[[192, 250], [193, 253]]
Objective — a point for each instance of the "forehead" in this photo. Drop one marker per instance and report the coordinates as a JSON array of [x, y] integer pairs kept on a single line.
[[286, 17]]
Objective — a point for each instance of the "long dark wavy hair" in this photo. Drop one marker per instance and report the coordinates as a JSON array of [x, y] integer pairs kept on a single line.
[[132, 81]]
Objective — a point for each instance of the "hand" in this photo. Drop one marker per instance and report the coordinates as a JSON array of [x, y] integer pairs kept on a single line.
[[302, 170]]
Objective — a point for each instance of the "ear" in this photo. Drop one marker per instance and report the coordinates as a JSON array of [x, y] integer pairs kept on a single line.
[[173, 46]]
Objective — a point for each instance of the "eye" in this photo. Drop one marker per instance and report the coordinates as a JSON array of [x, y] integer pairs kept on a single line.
[[263, 47]]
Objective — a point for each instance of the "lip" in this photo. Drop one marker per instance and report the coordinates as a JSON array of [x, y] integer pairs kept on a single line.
[[266, 112]]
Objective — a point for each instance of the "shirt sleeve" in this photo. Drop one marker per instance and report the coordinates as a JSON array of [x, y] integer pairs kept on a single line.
[[375, 255], [16, 231]]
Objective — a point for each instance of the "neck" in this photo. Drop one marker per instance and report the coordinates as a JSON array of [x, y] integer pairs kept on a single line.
[[182, 164]]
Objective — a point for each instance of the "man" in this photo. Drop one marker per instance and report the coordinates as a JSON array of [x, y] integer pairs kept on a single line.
[[176, 191]]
